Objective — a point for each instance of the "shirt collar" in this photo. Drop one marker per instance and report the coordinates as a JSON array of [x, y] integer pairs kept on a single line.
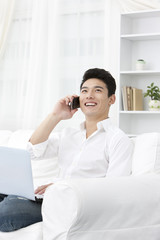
[[104, 124]]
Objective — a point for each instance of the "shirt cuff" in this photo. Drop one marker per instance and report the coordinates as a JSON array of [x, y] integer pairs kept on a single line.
[[37, 150]]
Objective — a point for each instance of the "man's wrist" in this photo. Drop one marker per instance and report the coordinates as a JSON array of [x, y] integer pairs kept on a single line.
[[55, 117]]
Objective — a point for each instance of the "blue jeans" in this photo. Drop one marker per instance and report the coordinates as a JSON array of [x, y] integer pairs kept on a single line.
[[18, 212]]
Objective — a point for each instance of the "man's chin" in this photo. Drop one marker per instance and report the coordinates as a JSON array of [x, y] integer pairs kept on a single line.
[[89, 110], [90, 114]]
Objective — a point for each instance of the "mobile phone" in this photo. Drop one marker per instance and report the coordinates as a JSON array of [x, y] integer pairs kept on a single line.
[[75, 103]]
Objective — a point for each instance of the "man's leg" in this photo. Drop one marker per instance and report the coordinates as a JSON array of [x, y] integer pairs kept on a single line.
[[18, 212]]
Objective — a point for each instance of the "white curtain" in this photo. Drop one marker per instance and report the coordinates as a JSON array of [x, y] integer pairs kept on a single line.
[[42, 88], [49, 46], [28, 81], [6, 15]]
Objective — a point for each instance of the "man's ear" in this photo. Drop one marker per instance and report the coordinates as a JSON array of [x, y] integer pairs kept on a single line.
[[112, 99]]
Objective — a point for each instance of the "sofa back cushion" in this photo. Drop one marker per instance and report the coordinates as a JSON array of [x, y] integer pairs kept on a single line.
[[146, 156], [4, 137]]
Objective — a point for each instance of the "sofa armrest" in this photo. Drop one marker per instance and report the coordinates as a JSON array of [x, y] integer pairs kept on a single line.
[[106, 208]]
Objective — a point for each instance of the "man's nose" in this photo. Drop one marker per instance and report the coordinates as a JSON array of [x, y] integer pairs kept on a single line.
[[90, 94]]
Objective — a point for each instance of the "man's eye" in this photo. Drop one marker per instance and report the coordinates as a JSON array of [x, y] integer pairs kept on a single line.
[[98, 90], [84, 91]]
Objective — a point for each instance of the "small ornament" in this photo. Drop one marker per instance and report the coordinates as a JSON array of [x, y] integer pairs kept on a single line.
[[140, 65]]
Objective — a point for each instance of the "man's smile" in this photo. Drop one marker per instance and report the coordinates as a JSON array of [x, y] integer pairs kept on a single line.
[[90, 104]]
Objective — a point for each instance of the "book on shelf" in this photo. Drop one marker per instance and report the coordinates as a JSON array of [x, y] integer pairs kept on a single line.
[[124, 98], [129, 98], [132, 99], [137, 99]]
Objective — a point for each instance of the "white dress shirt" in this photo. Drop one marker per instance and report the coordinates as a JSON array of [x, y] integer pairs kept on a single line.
[[107, 152]]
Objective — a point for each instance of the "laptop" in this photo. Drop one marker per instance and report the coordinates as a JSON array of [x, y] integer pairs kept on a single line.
[[16, 173]]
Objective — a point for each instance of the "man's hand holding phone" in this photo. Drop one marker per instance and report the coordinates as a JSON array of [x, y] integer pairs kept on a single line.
[[66, 107], [61, 111]]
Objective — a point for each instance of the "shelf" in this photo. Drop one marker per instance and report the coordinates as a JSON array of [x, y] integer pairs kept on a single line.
[[144, 72], [143, 14], [138, 37], [139, 112]]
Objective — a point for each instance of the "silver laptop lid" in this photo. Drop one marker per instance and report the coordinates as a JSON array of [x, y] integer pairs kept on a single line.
[[16, 173]]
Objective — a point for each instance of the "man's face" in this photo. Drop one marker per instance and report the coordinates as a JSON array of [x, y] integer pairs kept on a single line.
[[94, 100]]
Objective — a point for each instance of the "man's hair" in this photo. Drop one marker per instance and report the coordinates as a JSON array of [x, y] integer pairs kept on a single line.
[[102, 75]]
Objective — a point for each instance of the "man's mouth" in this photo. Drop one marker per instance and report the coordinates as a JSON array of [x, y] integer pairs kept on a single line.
[[92, 104]]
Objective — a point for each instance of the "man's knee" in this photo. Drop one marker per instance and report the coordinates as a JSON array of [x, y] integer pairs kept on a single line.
[[7, 216], [6, 226], [17, 212]]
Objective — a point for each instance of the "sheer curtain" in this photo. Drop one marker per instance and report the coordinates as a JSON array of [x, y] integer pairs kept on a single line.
[[42, 84], [14, 65], [48, 47], [29, 85], [6, 14]]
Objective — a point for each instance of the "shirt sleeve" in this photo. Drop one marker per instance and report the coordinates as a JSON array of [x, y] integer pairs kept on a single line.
[[120, 155], [47, 149]]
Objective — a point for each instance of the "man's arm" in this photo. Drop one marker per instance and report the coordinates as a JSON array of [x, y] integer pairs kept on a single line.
[[60, 112], [120, 156]]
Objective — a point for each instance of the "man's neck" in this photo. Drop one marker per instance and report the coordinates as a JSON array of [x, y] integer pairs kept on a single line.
[[91, 126]]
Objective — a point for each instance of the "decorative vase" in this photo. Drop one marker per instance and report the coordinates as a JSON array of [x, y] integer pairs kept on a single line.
[[140, 65], [154, 105]]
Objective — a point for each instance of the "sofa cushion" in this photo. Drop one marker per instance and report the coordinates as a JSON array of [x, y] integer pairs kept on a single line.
[[146, 156], [4, 137], [32, 232], [19, 138]]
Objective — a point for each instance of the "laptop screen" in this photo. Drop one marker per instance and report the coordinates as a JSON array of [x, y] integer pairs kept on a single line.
[[16, 173]]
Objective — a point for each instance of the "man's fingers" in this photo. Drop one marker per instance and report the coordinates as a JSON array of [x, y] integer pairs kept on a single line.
[[74, 110], [41, 192], [70, 98], [41, 189]]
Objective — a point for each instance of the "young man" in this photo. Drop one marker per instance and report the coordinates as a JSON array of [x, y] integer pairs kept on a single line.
[[96, 149]]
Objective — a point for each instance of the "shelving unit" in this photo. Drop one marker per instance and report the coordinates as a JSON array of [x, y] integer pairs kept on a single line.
[[139, 39]]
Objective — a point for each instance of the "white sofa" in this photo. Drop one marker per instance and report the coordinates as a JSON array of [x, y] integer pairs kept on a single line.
[[90, 209]]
